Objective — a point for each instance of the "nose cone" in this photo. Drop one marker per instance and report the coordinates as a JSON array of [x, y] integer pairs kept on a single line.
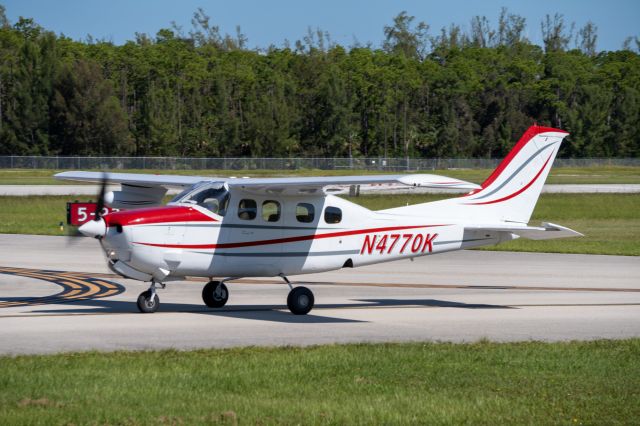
[[94, 228]]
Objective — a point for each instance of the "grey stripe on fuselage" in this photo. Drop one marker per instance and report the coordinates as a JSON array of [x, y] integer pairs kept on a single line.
[[241, 226], [516, 172], [317, 253]]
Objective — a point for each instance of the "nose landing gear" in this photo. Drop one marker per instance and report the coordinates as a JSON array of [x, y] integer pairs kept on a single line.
[[148, 301]]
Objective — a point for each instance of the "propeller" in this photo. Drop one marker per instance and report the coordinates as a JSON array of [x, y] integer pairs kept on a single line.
[[97, 227], [100, 203]]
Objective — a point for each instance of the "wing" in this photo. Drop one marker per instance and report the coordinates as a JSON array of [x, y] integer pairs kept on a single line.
[[291, 185], [144, 180], [137, 190], [547, 231], [312, 185]]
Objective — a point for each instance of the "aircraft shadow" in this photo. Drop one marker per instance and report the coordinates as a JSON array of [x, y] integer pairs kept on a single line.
[[274, 313]]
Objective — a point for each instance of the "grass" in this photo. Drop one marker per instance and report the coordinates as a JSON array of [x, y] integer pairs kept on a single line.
[[565, 175], [430, 383], [38, 215], [610, 222]]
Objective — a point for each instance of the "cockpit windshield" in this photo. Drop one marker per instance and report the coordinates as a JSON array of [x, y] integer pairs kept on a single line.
[[212, 196]]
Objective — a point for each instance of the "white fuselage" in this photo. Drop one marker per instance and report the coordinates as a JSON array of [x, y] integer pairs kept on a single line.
[[298, 240]]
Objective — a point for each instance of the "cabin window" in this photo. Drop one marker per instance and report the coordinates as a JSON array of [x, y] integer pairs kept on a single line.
[[271, 211], [247, 209], [305, 212], [332, 215], [215, 200], [213, 197]]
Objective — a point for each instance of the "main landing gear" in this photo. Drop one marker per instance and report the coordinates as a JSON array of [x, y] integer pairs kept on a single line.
[[300, 300], [215, 294]]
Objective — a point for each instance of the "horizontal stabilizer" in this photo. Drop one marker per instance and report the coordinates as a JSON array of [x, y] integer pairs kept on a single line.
[[547, 231]]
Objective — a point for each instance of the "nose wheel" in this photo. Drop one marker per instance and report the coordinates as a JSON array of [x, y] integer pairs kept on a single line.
[[148, 302], [215, 294]]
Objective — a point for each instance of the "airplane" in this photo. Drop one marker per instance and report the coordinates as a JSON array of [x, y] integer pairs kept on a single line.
[[278, 227]]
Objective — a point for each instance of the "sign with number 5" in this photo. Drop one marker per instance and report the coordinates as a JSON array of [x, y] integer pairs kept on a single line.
[[79, 213]]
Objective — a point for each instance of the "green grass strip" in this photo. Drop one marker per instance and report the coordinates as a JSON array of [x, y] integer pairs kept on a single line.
[[429, 383]]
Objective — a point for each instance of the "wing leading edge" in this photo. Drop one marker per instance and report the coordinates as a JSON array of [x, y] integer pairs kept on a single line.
[[289, 185]]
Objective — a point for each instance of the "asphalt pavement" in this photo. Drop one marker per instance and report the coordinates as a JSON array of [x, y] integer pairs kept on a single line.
[[57, 296]]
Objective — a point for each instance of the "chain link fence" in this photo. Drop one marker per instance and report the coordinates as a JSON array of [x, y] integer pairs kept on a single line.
[[183, 163]]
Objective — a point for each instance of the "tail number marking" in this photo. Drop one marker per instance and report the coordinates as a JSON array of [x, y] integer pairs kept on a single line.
[[387, 244]]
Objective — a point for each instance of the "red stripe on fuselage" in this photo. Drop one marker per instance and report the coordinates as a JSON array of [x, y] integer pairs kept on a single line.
[[153, 215], [288, 239]]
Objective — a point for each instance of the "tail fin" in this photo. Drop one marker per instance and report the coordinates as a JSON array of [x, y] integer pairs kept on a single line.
[[512, 190]]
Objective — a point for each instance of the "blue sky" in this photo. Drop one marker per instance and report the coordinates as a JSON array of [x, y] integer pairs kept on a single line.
[[271, 22]]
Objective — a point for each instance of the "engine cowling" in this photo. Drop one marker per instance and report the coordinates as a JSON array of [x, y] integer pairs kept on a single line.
[[135, 197]]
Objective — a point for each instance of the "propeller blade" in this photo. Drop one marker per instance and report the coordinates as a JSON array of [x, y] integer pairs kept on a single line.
[[100, 201], [73, 236]]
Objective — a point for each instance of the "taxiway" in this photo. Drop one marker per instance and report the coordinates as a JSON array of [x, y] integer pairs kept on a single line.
[[56, 297]]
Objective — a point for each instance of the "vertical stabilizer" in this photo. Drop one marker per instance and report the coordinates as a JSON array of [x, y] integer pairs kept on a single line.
[[510, 193]]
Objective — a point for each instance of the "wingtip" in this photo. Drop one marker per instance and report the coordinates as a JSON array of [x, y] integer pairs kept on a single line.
[[61, 175]]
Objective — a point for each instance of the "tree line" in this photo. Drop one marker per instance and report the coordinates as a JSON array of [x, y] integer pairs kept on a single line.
[[421, 93]]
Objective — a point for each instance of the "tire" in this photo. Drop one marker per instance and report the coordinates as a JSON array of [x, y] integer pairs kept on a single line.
[[146, 304], [215, 294], [300, 301]]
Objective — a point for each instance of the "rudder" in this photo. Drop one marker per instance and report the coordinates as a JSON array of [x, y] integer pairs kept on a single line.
[[510, 193]]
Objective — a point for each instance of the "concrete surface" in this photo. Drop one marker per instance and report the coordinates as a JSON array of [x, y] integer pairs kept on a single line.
[[461, 296]]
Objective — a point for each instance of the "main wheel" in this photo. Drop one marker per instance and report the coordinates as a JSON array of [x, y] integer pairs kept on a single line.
[[148, 304], [215, 294], [300, 300]]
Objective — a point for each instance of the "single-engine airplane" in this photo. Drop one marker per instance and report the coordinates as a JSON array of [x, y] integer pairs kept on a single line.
[[267, 227]]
